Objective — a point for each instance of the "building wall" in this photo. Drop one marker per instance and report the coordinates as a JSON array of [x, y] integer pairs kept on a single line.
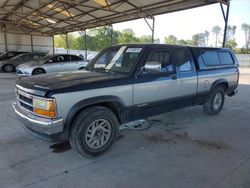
[[22, 42]]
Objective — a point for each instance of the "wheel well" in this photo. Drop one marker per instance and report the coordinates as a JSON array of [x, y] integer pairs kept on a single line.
[[224, 85], [113, 106], [37, 69]]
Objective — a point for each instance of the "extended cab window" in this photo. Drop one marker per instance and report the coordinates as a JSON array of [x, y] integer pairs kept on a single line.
[[210, 58], [159, 61], [183, 59], [225, 58]]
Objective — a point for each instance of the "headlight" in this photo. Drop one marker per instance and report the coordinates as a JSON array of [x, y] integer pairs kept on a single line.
[[44, 107]]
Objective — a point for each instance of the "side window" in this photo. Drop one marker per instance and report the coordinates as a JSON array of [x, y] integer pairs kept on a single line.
[[159, 61], [66, 58], [210, 58], [225, 58], [36, 56], [76, 58], [183, 59], [56, 59]]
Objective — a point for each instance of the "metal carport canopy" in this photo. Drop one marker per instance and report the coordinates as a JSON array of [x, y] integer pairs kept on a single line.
[[50, 17]]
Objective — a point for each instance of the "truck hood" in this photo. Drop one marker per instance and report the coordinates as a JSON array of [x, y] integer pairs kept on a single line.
[[69, 81]]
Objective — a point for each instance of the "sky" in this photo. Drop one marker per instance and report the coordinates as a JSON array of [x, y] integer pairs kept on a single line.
[[184, 24]]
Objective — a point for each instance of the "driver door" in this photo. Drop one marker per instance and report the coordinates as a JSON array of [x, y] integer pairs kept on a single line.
[[157, 87], [54, 64]]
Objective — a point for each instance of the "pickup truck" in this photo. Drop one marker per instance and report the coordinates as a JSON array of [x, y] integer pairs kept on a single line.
[[121, 84]]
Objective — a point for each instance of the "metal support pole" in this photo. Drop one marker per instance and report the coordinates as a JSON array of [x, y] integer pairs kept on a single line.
[[67, 42], [226, 16], [5, 41], [31, 42], [152, 28], [53, 38], [111, 35], [85, 44]]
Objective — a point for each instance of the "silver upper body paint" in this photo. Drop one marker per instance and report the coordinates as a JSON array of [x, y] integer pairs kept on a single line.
[[148, 92]]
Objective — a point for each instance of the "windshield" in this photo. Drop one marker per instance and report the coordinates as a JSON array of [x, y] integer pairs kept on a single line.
[[117, 59], [20, 56]]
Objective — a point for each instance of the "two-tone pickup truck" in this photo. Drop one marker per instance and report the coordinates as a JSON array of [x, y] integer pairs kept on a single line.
[[123, 83]]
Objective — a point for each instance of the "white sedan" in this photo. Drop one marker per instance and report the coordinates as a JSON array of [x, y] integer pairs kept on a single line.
[[51, 64]]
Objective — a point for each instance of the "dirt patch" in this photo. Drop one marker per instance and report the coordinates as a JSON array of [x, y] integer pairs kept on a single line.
[[210, 145], [174, 137]]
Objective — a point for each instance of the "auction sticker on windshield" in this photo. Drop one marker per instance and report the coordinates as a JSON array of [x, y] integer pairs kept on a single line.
[[133, 50]]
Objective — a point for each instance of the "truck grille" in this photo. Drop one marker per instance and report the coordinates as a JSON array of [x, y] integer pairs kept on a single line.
[[24, 100]]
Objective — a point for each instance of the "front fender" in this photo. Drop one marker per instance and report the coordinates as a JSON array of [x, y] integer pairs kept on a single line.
[[100, 100]]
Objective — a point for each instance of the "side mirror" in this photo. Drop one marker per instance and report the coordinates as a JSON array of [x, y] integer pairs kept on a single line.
[[142, 71], [50, 61]]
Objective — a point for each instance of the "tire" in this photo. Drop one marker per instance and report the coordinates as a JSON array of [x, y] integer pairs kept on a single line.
[[38, 71], [215, 101], [93, 131], [8, 68]]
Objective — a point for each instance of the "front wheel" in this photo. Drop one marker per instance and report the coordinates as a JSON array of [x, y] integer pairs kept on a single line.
[[215, 102], [8, 68], [93, 131], [38, 71]]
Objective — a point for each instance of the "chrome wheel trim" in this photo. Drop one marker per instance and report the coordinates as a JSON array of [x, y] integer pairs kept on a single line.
[[98, 133], [217, 101]]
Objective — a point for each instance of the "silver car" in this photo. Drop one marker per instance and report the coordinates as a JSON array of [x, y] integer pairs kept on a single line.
[[52, 63], [11, 64]]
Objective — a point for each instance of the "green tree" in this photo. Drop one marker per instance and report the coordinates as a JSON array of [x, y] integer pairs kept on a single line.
[[101, 38], [171, 39], [127, 36], [184, 42], [199, 39], [216, 31], [206, 37], [145, 39], [246, 28], [231, 43], [65, 41]]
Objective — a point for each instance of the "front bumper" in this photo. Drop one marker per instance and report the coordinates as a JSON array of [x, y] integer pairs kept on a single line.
[[43, 128], [20, 72]]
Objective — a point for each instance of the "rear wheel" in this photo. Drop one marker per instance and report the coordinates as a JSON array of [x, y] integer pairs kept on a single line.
[[8, 68], [215, 102], [93, 131], [38, 71]]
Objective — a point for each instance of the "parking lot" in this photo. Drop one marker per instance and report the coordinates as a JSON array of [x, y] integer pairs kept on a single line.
[[184, 148]]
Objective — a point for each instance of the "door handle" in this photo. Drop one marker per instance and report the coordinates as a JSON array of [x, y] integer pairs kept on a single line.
[[173, 77]]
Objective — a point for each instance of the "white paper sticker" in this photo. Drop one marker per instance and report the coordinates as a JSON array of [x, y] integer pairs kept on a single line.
[[133, 50]]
